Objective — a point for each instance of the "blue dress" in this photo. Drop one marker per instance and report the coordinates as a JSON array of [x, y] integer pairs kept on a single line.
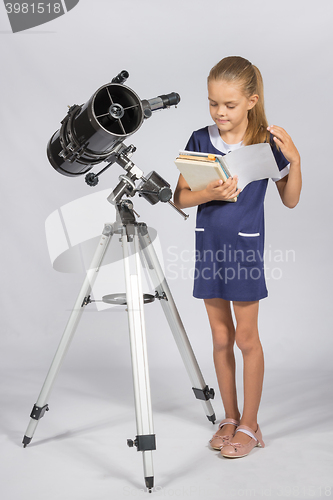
[[230, 236]]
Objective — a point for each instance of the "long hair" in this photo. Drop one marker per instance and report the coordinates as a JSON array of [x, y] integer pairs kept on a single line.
[[247, 77]]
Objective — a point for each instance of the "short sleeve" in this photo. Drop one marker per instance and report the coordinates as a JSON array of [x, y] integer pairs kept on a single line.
[[281, 161], [192, 144]]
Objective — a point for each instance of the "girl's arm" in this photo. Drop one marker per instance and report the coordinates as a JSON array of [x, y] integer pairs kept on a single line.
[[216, 190], [290, 186]]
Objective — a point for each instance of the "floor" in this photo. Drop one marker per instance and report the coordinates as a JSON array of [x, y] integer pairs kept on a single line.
[[79, 449]]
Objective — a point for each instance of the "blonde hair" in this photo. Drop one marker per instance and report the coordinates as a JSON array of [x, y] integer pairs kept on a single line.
[[247, 77]]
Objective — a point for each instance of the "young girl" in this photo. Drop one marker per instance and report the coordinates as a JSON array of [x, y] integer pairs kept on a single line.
[[230, 241]]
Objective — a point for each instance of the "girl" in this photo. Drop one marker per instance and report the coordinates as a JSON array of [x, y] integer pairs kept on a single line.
[[230, 241]]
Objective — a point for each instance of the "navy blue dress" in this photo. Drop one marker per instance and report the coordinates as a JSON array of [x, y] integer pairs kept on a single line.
[[230, 236]]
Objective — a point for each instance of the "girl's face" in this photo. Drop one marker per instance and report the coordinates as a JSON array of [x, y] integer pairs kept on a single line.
[[229, 107]]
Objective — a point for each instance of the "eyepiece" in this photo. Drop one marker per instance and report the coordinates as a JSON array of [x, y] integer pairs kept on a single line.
[[171, 99]]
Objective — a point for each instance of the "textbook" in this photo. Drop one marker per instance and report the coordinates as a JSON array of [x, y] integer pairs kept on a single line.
[[250, 163]]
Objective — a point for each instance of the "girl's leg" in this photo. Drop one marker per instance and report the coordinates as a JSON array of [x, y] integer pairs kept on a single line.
[[247, 339], [223, 332]]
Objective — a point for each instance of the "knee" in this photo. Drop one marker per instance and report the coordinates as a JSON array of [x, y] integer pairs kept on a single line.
[[223, 338], [247, 339]]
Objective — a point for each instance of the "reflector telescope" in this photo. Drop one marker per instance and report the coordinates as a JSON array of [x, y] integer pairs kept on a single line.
[[90, 133]]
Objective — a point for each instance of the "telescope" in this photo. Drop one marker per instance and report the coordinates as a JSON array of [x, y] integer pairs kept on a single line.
[[89, 134], [94, 132]]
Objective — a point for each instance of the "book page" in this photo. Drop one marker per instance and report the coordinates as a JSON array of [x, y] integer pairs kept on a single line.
[[252, 163]]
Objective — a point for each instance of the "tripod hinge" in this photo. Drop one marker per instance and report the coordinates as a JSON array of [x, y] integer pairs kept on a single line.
[[143, 442], [204, 394], [86, 301], [38, 411], [160, 296]]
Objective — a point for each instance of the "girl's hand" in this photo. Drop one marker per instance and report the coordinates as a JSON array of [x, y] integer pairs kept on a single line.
[[223, 191], [289, 186], [283, 140]]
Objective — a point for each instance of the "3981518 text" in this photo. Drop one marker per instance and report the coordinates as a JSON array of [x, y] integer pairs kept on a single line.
[[33, 8]]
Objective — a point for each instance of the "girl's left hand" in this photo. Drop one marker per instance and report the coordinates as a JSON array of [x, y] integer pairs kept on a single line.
[[283, 140]]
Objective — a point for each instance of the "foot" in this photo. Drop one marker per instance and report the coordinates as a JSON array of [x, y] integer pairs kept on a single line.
[[227, 430], [241, 438], [244, 440], [224, 434]]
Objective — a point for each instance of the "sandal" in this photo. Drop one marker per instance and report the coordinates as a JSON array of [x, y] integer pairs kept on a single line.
[[217, 441], [237, 450]]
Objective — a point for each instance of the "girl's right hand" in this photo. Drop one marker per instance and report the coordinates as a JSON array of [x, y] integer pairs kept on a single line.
[[223, 191]]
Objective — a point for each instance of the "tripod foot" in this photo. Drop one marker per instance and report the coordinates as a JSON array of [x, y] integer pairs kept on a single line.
[[212, 418], [149, 483], [26, 441]]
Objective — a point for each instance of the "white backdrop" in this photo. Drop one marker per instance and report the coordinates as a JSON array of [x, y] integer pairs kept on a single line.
[[168, 47], [165, 46]]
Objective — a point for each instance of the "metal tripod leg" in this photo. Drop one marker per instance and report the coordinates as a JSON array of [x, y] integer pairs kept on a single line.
[[136, 243], [200, 389], [145, 439], [41, 405]]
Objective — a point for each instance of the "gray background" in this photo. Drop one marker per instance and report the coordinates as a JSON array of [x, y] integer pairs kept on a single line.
[[165, 46]]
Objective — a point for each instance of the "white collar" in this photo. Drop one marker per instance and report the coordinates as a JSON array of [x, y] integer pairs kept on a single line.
[[219, 143]]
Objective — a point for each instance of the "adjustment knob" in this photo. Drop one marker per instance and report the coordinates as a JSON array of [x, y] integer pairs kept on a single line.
[[165, 194], [91, 179]]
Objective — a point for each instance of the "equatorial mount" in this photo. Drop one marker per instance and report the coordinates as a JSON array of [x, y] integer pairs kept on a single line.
[[152, 187]]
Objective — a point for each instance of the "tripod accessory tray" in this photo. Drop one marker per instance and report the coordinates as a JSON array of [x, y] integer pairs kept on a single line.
[[120, 298]]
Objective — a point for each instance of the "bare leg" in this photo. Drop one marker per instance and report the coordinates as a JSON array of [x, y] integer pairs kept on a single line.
[[247, 339], [223, 332]]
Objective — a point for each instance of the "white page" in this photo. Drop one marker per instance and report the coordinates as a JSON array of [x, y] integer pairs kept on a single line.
[[252, 163]]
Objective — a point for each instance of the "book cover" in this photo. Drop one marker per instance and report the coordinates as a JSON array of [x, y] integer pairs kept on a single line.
[[249, 163]]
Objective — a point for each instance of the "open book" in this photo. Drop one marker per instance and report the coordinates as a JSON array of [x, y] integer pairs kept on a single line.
[[250, 163]]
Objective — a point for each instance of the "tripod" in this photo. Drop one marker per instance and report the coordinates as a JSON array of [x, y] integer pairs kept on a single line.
[[137, 248]]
